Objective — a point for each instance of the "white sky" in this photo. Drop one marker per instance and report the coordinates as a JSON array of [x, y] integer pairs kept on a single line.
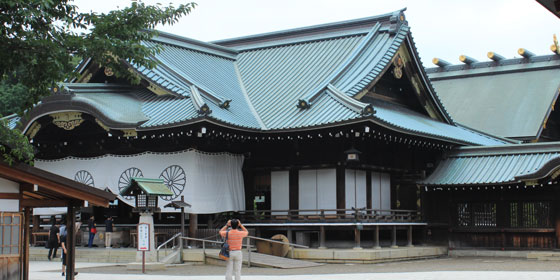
[[441, 28]]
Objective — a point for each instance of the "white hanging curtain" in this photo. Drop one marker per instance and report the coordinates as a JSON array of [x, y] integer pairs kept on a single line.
[[210, 182]]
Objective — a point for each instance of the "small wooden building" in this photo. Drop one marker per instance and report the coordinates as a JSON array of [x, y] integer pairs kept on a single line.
[[22, 188], [496, 197]]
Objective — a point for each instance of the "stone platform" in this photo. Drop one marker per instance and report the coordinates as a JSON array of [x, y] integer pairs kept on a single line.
[[343, 255], [128, 255]]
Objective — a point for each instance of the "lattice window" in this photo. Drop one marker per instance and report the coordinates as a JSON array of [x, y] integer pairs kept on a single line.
[[484, 214], [476, 214], [529, 214], [10, 229]]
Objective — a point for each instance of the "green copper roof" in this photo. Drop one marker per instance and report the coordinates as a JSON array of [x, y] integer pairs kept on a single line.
[[297, 79], [517, 95], [497, 165], [149, 186]]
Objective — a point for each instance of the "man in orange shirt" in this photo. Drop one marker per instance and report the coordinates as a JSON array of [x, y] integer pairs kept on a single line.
[[235, 241]]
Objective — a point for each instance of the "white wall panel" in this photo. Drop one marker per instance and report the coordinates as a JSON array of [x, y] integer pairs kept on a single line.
[[9, 205], [326, 189], [355, 188], [385, 191], [307, 189], [349, 189], [280, 190], [380, 190], [7, 186], [361, 193]]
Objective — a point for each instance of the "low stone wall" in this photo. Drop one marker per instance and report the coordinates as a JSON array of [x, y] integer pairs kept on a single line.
[[369, 255]]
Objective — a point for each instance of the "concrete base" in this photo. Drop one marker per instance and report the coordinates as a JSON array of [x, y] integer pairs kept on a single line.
[[151, 266], [536, 255]]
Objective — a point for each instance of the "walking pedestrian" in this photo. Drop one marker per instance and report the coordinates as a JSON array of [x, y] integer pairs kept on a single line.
[[92, 230], [108, 231], [63, 255], [54, 240], [235, 241]]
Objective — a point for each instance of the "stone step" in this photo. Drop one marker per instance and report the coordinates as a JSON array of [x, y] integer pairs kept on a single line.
[[99, 255], [551, 258], [539, 255]]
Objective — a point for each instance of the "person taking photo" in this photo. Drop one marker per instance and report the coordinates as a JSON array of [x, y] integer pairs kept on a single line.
[[235, 241]]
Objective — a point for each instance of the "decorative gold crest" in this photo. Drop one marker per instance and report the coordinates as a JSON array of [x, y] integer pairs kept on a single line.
[[67, 120]]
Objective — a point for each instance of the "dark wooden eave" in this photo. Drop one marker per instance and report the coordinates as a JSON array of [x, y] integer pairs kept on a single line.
[[52, 190]]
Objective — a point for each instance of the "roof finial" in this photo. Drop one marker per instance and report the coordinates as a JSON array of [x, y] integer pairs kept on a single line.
[[494, 56], [525, 53], [440, 62], [467, 60]]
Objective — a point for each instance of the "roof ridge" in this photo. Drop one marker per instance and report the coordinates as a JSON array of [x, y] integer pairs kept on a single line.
[[196, 45], [492, 63], [313, 29]]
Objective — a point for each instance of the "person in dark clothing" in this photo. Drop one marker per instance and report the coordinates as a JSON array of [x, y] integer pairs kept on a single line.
[[92, 230], [63, 255], [108, 231], [54, 240]]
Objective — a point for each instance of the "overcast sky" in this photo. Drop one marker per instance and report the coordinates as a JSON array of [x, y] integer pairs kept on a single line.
[[441, 28]]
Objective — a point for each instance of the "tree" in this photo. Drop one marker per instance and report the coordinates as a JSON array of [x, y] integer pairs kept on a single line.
[[40, 39]]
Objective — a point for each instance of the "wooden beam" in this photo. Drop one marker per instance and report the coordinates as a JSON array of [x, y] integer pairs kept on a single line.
[[10, 196], [70, 241], [26, 237], [67, 191], [42, 203]]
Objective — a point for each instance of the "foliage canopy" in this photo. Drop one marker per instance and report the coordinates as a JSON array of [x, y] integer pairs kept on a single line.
[[41, 38]]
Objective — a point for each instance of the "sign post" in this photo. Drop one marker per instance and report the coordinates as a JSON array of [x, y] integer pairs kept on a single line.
[[143, 230]]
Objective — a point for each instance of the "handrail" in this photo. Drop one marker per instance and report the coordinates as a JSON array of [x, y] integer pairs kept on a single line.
[[355, 214], [165, 243], [201, 240], [170, 239], [276, 241]]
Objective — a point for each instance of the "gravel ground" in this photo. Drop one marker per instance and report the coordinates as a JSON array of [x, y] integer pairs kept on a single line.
[[429, 265]]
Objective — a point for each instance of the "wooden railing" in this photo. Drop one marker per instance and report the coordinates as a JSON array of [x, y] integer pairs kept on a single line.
[[332, 215]]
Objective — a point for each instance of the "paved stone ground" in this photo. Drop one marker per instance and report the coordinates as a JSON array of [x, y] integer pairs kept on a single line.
[[433, 269]]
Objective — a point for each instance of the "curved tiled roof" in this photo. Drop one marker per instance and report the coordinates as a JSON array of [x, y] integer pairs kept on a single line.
[[503, 165], [256, 82]]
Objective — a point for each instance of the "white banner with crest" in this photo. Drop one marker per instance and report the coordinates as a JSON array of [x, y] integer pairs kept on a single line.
[[210, 182]]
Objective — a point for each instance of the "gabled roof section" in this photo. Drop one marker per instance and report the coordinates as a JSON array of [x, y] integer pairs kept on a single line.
[[255, 83], [148, 185], [497, 165], [518, 94]]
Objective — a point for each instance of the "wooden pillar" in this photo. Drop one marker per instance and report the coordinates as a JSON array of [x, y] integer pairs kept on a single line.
[[293, 189], [322, 238], [409, 237], [357, 239], [70, 240], [36, 223], [376, 238], [557, 221], [26, 226], [193, 226], [394, 237], [369, 203], [340, 188]]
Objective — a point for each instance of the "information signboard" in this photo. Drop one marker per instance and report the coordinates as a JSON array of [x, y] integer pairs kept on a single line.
[[143, 237]]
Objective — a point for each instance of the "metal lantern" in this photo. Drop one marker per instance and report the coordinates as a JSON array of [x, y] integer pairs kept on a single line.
[[352, 155]]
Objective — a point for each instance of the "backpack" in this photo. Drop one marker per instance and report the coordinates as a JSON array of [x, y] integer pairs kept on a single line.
[[224, 251], [63, 230]]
